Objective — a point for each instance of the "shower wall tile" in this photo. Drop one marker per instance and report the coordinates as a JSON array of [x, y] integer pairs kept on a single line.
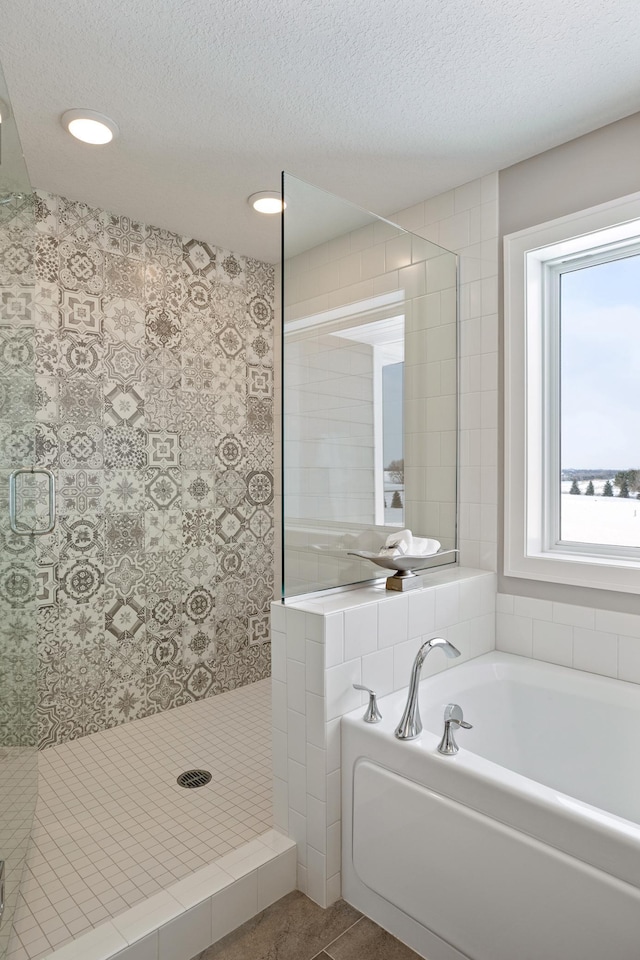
[[152, 356]]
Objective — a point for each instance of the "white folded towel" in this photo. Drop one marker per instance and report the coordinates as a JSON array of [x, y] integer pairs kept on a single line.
[[397, 544], [403, 543], [424, 546]]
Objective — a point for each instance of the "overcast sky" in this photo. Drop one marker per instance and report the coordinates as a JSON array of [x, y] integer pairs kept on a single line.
[[600, 378]]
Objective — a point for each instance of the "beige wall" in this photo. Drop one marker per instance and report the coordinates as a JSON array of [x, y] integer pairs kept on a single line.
[[593, 169]]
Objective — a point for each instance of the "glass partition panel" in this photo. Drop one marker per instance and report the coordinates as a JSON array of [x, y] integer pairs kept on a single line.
[[369, 392], [18, 576]]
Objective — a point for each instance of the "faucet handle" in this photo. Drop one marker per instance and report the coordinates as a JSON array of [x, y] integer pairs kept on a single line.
[[453, 714], [453, 717], [371, 714]]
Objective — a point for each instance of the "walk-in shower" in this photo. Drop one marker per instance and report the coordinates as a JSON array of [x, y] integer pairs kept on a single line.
[[136, 572]]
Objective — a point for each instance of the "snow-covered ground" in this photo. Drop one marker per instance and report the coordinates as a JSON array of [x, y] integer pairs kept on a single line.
[[393, 516], [611, 520]]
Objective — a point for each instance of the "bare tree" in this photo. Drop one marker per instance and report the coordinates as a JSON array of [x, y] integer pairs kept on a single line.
[[396, 471]]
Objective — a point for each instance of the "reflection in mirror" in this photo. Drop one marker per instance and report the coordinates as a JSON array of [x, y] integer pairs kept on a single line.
[[384, 351], [369, 392]]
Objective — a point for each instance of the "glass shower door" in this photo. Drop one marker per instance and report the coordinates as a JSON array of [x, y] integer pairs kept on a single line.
[[22, 516]]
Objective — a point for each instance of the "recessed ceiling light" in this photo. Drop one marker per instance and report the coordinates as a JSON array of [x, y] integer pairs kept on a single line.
[[89, 126], [267, 201]]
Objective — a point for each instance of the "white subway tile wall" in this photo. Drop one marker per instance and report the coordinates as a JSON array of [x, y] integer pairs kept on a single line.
[[369, 636], [599, 641], [465, 220]]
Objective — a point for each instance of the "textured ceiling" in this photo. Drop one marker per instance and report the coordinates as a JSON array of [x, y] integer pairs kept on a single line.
[[384, 104]]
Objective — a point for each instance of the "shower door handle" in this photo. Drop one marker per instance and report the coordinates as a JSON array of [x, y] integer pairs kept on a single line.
[[12, 502]]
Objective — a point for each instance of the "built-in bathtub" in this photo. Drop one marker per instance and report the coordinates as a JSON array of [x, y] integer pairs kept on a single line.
[[526, 844]]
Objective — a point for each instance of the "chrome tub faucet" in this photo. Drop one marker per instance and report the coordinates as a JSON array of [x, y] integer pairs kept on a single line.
[[410, 725]]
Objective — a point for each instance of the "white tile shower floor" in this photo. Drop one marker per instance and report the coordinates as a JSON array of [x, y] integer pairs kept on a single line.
[[113, 827]]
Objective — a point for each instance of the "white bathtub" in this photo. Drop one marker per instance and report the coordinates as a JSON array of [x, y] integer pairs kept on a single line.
[[523, 846]]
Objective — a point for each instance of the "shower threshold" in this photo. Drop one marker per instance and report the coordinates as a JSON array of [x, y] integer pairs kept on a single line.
[[126, 863]]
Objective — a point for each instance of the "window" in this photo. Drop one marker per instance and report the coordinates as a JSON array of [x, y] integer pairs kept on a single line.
[[572, 416]]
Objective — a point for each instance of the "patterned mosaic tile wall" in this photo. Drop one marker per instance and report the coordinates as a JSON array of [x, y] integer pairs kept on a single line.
[[154, 393]]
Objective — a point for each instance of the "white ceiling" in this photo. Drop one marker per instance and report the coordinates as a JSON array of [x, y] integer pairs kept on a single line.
[[384, 104]]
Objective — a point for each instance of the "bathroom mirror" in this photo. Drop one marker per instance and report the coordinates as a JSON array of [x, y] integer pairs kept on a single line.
[[369, 390]]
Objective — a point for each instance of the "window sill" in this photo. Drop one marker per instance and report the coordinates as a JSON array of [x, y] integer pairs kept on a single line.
[[599, 573]]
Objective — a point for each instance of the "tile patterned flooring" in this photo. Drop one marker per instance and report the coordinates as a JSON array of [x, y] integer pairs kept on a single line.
[[113, 827], [295, 928]]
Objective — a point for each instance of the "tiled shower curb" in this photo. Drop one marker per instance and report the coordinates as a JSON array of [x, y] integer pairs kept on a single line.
[[197, 911]]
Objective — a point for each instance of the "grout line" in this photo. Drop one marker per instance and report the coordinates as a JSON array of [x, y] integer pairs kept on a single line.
[[325, 949]]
